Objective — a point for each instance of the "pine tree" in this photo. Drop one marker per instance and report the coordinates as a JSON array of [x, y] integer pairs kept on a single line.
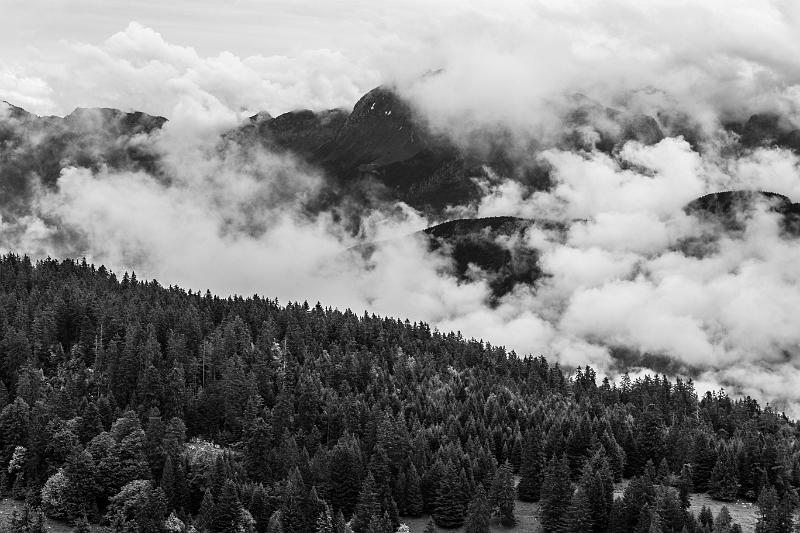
[[479, 513], [556, 496], [532, 467]]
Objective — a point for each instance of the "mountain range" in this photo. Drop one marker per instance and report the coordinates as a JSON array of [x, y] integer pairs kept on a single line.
[[381, 152]]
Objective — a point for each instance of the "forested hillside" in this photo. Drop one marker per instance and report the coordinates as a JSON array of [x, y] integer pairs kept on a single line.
[[145, 408]]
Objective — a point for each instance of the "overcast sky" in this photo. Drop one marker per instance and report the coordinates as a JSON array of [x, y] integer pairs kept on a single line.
[[174, 57], [242, 27], [45, 42]]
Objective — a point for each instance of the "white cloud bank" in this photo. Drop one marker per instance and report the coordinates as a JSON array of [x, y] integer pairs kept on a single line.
[[616, 278]]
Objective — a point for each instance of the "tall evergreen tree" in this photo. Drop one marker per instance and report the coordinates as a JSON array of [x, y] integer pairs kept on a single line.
[[556, 496], [205, 514], [414, 502], [532, 467], [345, 475], [774, 513], [479, 513], [579, 518], [227, 510], [168, 482], [369, 505], [724, 484], [503, 493], [449, 511], [685, 486]]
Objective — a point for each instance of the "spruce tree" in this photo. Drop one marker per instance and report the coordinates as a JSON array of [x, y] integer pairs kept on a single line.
[[685, 486], [532, 467], [379, 524], [597, 482], [414, 503], [339, 524], [313, 507], [704, 458], [706, 517], [663, 472], [294, 512], [206, 513], [227, 510], [260, 508], [257, 441], [168, 482], [81, 487], [479, 513], [724, 484], [503, 493], [345, 475], [579, 519], [275, 523], [368, 505], [723, 522], [774, 513], [515, 454], [449, 511], [325, 521], [81, 526], [556, 496]]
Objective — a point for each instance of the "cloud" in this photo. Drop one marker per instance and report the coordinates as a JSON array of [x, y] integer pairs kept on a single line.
[[616, 275]]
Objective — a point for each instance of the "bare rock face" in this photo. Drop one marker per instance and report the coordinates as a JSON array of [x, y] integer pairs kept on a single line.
[[767, 130], [641, 128], [591, 125]]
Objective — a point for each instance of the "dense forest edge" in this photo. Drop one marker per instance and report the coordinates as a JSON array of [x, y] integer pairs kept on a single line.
[[140, 408]]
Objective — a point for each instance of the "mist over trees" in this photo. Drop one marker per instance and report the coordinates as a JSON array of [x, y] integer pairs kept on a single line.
[[146, 409]]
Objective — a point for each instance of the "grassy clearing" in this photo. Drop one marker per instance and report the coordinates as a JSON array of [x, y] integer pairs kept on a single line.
[[743, 513], [527, 521], [8, 505]]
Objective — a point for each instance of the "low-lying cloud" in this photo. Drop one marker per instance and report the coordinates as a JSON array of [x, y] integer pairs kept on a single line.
[[617, 275]]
